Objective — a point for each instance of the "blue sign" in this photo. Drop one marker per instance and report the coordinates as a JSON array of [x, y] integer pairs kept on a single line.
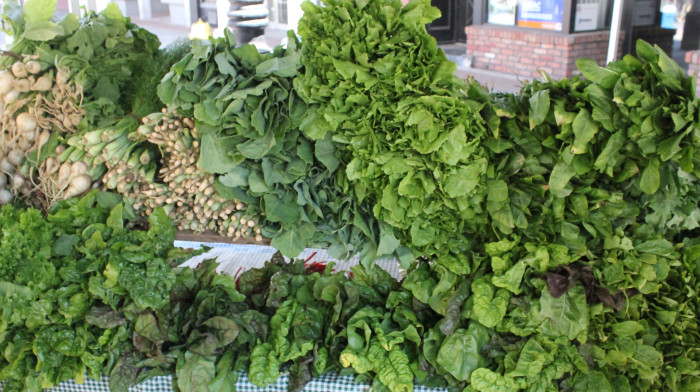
[[541, 14]]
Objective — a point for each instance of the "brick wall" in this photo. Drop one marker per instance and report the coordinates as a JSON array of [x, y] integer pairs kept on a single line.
[[525, 52], [693, 60]]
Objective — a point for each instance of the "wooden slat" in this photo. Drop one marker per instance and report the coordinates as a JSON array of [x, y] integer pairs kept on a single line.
[[215, 237]]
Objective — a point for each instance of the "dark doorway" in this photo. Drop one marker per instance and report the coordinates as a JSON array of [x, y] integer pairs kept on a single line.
[[456, 15]]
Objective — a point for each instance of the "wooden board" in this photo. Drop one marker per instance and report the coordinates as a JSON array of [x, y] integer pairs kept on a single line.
[[211, 236]]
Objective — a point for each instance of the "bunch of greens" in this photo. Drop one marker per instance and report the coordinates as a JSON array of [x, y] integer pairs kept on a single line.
[[104, 54], [593, 187], [405, 135], [64, 279], [248, 116]]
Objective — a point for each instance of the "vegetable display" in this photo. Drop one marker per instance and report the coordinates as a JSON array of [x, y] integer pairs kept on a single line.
[[549, 239], [248, 115], [186, 190], [405, 137]]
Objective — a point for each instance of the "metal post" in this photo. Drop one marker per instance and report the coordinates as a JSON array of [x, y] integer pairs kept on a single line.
[[615, 30]]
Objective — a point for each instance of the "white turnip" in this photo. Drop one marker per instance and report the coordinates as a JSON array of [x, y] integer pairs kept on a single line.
[[44, 83], [6, 166], [26, 123], [78, 185], [11, 96], [16, 157], [17, 181], [33, 67], [6, 80], [78, 168], [64, 174], [5, 196], [19, 69], [22, 85]]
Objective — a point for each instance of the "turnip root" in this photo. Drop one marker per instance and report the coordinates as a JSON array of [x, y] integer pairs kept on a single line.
[[5, 196], [11, 96], [15, 157], [33, 67], [64, 174], [17, 181], [6, 80], [6, 166], [44, 83], [24, 144], [78, 168], [26, 123], [50, 165], [19, 69], [78, 185], [22, 85], [44, 137]]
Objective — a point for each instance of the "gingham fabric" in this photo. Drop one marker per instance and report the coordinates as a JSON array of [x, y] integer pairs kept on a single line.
[[233, 260], [330, 382], [326, 383]]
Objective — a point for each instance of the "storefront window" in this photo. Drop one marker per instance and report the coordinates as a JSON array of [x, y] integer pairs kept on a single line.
[[502, 12]]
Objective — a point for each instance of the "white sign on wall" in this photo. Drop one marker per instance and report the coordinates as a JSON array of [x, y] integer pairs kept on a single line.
[[586, 18]]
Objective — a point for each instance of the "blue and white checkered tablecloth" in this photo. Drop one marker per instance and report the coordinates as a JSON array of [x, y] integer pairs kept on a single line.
[[326, 383], [233, 260]]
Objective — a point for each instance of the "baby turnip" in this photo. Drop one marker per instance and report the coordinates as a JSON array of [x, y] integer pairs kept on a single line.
[[6, 80], [11, 96], [17, 181], [16, 157], [5, 196], [19, 69], [6, 166], [42, 84], [78, 168], [33, 67], [64, 174], [24, 144], [22, 85], [50, 165], [44, 137], [31, 136], [26, 123], [78, 185]]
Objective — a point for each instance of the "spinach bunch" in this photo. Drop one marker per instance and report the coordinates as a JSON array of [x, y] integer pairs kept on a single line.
[[248, 116], [405, 134]]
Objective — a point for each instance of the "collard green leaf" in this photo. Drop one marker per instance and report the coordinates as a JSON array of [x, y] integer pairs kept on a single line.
[[43, 31], [606, 78], [36, 11], [650, 179], [215, 156], [584, 130], [539, 104]]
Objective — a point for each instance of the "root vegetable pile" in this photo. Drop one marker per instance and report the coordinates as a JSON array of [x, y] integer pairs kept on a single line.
[[38, 103], [187, 192]]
